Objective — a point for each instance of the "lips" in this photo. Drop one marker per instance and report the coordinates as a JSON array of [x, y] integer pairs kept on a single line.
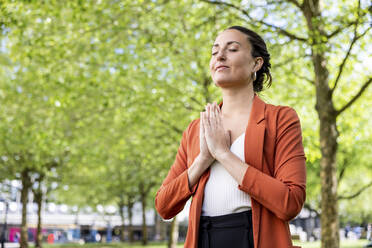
[[221, 67]]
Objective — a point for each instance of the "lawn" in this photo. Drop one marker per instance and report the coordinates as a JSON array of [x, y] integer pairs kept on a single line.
[[111, 245], [344, 244]]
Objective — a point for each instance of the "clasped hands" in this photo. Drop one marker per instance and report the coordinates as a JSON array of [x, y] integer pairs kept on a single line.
[[215, 141]]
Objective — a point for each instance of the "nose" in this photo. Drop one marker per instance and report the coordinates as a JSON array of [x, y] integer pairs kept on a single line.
[[221, 55]]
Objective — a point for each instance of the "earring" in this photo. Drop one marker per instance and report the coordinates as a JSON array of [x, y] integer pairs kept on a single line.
[[254, 76]]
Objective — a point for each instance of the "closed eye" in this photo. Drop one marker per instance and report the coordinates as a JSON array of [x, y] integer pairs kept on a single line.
[[231, 50]]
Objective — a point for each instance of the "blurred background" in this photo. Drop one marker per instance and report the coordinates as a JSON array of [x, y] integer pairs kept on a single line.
[[95, 95]]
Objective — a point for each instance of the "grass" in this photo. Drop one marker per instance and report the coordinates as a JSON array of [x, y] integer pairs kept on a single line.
[[344, 244], [111, 245]]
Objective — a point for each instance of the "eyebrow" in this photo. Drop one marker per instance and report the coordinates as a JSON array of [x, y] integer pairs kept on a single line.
[[228, 43]]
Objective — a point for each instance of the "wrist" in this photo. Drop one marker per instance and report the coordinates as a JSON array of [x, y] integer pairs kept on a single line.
[[223, 155], [205, 161]]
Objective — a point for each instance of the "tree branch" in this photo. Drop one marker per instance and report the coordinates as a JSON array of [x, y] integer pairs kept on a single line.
[[304, 78], [355, 22], [356, 193], [175, 128], [279, 29], [342, 65], [344, 164], [307, 205], [118, 16], [295, 2], [289, 60], [362, 89], [268, 3], [342, 173], [339, 29], [196, 101]]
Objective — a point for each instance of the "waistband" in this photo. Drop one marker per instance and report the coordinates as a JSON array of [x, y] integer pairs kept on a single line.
[[226, 221]]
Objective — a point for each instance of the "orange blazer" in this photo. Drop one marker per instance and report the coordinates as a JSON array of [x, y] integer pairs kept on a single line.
[[275, 178]]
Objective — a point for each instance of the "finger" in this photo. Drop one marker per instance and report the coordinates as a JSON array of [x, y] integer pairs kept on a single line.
[[210, 117], [209, 112], [228, 138], [215, 107], [201, 131], [217, 114], [218, 108], [206, 115], [205, 121], [213, 114]]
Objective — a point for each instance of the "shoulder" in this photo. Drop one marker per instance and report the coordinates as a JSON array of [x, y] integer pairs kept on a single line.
[[280, 113], [280, 118], [191, 130], [194, 124]]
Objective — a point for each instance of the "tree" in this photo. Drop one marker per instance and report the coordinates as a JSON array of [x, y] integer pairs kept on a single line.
[[114, 84], [323, 38]]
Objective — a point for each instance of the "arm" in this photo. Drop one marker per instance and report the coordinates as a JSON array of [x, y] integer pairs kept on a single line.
[[174, 191], [196, 170], [285, 192], [181, 182]]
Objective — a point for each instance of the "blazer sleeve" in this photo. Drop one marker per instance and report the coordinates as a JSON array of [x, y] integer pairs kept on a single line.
[[283, 193], [174, 192]]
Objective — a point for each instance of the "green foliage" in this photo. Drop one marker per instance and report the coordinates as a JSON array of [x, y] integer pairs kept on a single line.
[[104, 89]]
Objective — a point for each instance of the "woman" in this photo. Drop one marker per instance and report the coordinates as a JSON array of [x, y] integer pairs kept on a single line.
[[242, 161]]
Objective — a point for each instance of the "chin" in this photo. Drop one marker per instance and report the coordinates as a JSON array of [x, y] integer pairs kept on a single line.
[[228, 83]]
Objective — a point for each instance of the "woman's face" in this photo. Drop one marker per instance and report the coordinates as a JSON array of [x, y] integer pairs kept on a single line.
[[231, 62]]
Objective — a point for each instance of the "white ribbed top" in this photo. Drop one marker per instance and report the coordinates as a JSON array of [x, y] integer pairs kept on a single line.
[[221, 193]]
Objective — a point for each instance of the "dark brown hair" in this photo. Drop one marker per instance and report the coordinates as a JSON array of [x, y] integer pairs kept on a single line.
[[258, 50]]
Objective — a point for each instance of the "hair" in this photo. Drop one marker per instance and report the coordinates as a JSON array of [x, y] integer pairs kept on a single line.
[[258, 50]]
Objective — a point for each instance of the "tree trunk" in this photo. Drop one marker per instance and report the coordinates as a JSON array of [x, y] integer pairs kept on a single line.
[[130, 227], [144, 226], [39, 200], [160, 228], [157, 229], [328, 175], [163, 230], [4, 231], [328, 127], [328, 165], [26, 185], [173, 234], [328, 145], [121, 210]]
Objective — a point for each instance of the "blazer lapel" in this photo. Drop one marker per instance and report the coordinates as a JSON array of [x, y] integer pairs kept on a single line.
[[255, 134], [253, 152]]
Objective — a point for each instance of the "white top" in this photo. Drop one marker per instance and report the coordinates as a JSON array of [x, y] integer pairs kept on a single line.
[[221, 193]]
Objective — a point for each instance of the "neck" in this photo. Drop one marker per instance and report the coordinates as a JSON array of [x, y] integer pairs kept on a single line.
[[237, 100]]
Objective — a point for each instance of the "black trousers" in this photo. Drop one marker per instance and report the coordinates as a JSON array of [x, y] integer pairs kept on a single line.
[[231, 230]]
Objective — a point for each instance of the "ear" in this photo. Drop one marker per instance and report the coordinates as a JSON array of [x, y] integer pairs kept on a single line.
[[258, 63]]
